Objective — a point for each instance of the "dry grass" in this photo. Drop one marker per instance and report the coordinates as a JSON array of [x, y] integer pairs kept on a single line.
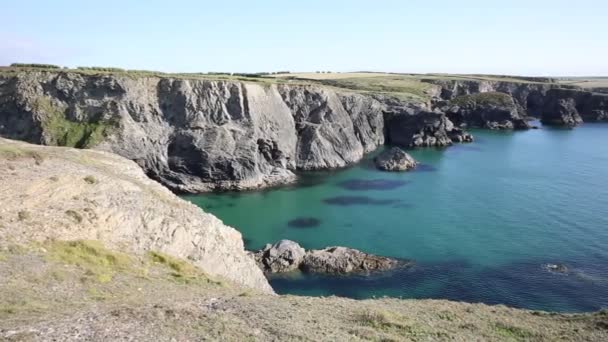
[[133, 306]]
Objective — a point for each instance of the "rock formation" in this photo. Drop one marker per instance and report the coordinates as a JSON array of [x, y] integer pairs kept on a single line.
[[198, 134], [283, 256], [342, 260], [287, 255], [57, 193], [486, 110], [395, 159]]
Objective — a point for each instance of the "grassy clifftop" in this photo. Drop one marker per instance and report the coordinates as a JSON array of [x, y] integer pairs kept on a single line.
[[102, 294]]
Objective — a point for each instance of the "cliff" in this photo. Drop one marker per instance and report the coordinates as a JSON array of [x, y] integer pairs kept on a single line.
[[55, 193], [201, 134], [197, 135]]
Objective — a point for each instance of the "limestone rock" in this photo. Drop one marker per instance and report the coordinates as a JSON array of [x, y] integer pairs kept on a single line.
[[395, 159], [490, 110], [283, 256], [342, 260], [70, 194], [560, 109]]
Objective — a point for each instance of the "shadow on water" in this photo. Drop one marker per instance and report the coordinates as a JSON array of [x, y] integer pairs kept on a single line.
[[424, 168], [304, 222], [372, 184], [359, 200], [524, 284]]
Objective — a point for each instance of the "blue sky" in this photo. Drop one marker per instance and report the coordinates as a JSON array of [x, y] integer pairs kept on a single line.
[[534, 37]]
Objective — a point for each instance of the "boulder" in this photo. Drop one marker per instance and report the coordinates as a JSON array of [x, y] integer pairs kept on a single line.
[[342, 260], [557, 268], [283, 256], [395, 159]]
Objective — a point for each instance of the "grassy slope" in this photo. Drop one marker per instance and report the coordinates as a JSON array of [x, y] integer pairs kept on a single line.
[[80, 289]]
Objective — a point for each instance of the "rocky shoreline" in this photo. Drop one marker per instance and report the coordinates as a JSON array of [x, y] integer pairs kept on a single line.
[[199, 135], [287, 256]]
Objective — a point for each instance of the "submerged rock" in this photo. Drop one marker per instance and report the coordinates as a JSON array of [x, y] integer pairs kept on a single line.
[[304, 222], [557, 268], [359, 200], [372, 184], [283, 256], [395, 159], [287, 255]]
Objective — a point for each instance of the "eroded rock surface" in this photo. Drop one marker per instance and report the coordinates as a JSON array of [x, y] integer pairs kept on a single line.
[[490, 110], [57, 193], [342, 260], [287, 255], [395, 159], [283, 256]]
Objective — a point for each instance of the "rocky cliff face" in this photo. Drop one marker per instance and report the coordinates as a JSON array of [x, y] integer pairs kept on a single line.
[[553, 103], [196, 135], [56, 193]]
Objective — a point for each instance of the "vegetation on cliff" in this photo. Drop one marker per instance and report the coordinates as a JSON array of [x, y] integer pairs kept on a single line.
[[483, 99], [60, 131]]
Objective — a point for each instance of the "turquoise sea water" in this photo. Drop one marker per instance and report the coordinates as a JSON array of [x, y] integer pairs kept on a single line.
[[479, 219]]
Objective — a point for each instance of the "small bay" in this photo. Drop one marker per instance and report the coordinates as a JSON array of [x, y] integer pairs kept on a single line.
[[481, 220]]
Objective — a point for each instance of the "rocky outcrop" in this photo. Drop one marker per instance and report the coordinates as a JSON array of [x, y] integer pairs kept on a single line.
[[342, 260], [552, 102], [57, 193], [423, 129], [395, 159], [490, 110], [283, 256], [287, 255]]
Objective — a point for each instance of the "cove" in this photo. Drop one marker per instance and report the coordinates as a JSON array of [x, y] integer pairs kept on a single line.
[[480, 226]]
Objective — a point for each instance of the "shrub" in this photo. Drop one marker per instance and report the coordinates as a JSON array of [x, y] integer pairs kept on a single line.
[[35, 65]]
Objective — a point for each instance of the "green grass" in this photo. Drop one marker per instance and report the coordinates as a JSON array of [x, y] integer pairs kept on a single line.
[[180, 270], [99, 263], [390, 323], [484, 99], [12, 152], [512, 333], [383, 84], [64, 132]]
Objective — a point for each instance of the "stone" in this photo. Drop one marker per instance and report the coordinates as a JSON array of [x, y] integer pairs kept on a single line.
[[557, 268], [283, 256], [395, 159], [343, 260]]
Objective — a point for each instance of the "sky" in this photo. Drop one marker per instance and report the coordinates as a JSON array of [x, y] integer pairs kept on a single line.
[[533, 37]]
